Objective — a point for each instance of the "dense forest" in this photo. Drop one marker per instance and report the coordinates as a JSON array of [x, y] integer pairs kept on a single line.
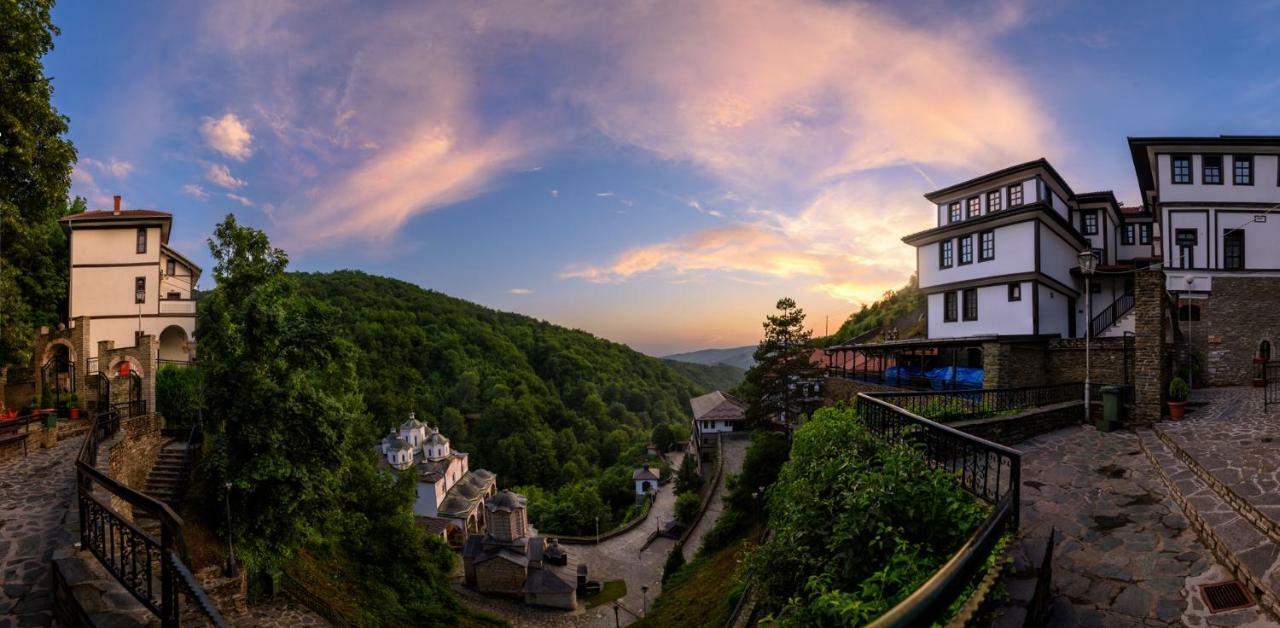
[[538, 404], [710, 377]]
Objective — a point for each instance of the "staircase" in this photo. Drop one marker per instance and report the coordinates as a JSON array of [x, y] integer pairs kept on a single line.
[[1109, 321], [167, 481], [1125, 325]]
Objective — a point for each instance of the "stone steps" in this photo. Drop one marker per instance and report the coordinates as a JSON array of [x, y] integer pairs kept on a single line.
[[1247, 551]]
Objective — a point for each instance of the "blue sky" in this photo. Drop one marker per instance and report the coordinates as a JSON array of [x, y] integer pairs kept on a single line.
[[657, 174]]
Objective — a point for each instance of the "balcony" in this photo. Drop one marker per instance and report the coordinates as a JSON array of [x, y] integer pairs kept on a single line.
[[177, 306]]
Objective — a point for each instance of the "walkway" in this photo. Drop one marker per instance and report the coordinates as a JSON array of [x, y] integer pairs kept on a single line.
[[35, 493], [735, 451]]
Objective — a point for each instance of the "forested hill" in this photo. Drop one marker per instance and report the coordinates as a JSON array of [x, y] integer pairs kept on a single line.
[[902, 309], [713, 377], [534, 402]]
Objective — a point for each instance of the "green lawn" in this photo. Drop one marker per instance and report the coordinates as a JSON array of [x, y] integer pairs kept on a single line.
[[700, 593], [610, 591]]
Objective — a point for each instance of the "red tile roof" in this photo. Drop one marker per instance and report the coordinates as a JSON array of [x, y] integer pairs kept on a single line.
[[124, 213]]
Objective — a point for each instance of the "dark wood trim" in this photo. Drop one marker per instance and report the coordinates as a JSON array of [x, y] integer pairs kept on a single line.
[[1004, 218], [1037, 247], [1190, 169], [187, 299], [1220, 205], [1221, 170], [117, 265], [1001, 279], [183, 315], [1035, 307]]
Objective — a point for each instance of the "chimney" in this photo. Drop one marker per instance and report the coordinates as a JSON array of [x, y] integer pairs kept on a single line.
[[117, 209]]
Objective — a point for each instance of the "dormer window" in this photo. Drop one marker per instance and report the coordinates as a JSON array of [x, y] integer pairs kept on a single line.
[[1015, 195], [993, 201], [975, 207], [142, 240], [1182, 169]]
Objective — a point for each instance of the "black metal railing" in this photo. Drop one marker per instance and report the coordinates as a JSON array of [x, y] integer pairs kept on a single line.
[[903, 380], [989, 471], [131, 408], [150, 569], [171, 362], [1112, 313], [1271, 384], [962, 405]]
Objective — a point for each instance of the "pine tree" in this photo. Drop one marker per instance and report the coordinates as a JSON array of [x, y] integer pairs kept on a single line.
[[782, 360], [688, 478]]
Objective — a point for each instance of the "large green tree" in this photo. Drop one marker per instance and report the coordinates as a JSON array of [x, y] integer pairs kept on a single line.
[[35, 174], [281, 395], [782, 362]]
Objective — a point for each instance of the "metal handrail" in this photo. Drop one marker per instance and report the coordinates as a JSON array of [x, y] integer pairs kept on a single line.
[[1110, 314]]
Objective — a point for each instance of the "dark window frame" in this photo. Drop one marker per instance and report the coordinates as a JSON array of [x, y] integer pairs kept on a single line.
[[1088, 227], [1189, 313], [995, 201], [1015, 292], [1184, 260], [985, 253], [1236, 174], [1186, 177], [946, 254], [973, 207], [950, 307], [1233, 259], [1128, 234], [965, 255], [1015, 190], [170, 267], [142, 240], [970, 308], [953, 213], [1144, 233], [173, 295], [1207, 176], [139, 289]]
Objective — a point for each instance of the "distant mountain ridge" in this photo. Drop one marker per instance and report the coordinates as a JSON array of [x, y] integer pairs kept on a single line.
[[740, 357]]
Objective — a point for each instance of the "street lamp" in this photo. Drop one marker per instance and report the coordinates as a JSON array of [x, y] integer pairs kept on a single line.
[[597, 530], [232, 570], [1088, 263]]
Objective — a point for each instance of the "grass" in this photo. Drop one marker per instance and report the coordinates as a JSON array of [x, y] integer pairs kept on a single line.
[[612, 590], [701, 593]]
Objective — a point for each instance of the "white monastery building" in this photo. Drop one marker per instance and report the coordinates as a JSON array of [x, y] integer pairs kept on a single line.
[[449, 492]]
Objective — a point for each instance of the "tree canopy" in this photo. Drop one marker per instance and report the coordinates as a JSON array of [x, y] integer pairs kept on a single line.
[[782, 362]]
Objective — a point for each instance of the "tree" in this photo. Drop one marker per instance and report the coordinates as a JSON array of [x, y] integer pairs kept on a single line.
[[689, 478], [178, 394], [687, 507], [663, 437], [281, 397], [782, 361], [675, 560], [35, 174]]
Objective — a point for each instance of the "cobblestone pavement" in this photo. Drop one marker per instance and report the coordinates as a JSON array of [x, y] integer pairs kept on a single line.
[[1236, 442], [279, 613], [620, 557], [35, 492], [1125, 555], [735, 451]]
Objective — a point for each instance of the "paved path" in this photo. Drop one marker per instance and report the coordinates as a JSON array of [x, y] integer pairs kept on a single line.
[[1125, 555], [35, 493], [735, 450]]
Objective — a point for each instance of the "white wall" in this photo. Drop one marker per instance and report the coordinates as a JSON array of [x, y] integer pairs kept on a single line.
[[1028, 197], [113, 246], [1263, 190], [1054, 312], [996, 315], [1057, 256], [1015, 253], [1195, 220], [1131, 251], [1261, 239]]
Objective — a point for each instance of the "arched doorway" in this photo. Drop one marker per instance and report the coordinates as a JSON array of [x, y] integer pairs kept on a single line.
[[57, 375], [1264, 350], [173, 345]]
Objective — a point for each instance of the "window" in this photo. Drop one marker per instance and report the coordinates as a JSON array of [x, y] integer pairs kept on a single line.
[[949, 307], [173, 295], [1242, 169], [142, 240], [1264, 350], [1211, 169], [1186, 240], [1126, 234], [945, 253], [1189, 313], [994, 201], [1182, 169], [966, 250], [169, 268], [1144, 233], [140, 290], [975, 207], [1089, 222], [1015, 195], [953, 212], [971, 304], [986, 246], [1015, 292], [1233, 249]]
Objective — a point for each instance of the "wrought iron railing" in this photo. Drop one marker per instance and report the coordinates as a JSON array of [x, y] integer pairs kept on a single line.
[[903, 380], [951, 406], [133, 407], [150, 569], [1112, 313], [1271, 384], [172, 362], [989, 471]]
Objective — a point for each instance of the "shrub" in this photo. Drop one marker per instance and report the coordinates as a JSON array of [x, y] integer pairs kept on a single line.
[[1178, 389], [675, 560], [687, 507], [689, 478], [179, 394]]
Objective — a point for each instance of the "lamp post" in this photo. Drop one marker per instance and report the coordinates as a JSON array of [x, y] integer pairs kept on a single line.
[[644, 600], [232, 569], [1088, 263], [597, 530]]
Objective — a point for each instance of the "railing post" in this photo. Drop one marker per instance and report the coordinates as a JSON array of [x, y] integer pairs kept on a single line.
[[168, 593]]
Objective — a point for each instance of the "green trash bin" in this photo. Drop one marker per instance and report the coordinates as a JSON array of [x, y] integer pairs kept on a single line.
[[1112, 408]]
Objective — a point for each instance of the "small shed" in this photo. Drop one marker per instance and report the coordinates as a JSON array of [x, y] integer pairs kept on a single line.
[[646, 480]]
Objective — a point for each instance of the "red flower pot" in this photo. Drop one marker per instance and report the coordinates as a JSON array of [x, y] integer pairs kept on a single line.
[[1177, 409]]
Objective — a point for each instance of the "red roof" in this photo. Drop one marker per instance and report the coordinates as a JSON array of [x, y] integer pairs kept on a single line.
[[99, 214]]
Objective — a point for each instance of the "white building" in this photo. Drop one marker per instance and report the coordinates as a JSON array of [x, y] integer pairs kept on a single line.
[[714, 413], [128, 281], [646, 481], [448, 489]]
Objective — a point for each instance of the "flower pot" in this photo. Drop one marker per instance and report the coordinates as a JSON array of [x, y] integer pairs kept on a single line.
[[75, 413], [1177, 409]]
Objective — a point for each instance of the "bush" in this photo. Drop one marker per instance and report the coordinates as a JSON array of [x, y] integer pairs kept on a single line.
[[675, 560], [1178, 389], [841, 556], [689, 478], [179, 394], [687, 507]]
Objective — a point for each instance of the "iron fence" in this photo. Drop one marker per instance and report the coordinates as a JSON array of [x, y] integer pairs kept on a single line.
[[1270, 385], [962, 405]]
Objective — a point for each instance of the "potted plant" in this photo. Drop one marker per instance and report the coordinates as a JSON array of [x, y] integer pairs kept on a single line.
[[1178, 391], [74, 403]]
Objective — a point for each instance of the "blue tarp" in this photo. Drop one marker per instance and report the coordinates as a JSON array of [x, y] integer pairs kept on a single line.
[[939, 378]]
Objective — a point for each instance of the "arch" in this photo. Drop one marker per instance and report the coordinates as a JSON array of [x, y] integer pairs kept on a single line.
[[173, 344], [1264, 350], [50, 348], [1189, 313], [134, 366]]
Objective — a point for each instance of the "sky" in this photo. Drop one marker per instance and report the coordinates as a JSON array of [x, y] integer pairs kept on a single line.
[[656, 173]]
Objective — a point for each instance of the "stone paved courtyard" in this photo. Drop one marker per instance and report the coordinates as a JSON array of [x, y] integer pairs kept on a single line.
[[1125, 554], [35, 493]]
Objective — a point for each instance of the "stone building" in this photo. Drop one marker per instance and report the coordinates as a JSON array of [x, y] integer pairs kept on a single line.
[[511, 560], [449, 492]]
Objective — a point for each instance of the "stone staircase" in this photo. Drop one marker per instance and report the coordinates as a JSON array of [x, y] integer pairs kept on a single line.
[[167, 481], [1241, 538]]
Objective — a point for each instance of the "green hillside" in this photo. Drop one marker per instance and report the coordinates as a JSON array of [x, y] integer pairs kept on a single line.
[[902, 309], [536, 403], [711, 377]]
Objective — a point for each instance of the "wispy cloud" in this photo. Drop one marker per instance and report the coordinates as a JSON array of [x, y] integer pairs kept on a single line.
[[83, 184], [240, 199], [604, 194], [228, 135], [520, 291], [195, 191], [117, 168], [219, 174]]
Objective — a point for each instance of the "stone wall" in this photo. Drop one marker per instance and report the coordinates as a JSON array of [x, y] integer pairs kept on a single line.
[[1108, 364], [1149, 369], [141, 357], [1009, 430], [837, 390], [134, 452], [1010, 365], [1239, 314]]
